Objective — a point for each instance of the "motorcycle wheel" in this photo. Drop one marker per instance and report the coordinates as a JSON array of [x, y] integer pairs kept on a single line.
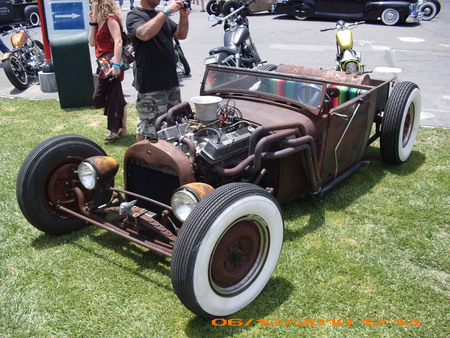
[[229, 5], [351, 67], [15, 72], [213, 7], [269, 67]]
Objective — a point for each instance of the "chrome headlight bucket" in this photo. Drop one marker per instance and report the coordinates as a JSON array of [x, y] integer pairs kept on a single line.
[[186, 198], [97, 169]]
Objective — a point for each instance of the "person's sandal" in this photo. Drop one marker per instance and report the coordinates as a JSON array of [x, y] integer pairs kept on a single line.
[[111, 137]]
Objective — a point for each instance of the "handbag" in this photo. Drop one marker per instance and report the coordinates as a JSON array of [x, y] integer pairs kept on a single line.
[[105, 65], [127, 48]]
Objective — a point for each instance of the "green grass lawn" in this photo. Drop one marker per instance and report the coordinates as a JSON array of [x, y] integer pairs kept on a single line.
[[376, 247]]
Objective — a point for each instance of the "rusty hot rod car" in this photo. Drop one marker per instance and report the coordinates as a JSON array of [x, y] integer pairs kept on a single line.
[[207, 192]]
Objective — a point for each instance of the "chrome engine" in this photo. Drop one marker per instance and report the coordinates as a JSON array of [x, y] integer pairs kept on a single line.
[[214, 141]]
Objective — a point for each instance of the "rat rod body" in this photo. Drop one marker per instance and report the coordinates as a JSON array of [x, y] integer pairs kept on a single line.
[[207, 193]]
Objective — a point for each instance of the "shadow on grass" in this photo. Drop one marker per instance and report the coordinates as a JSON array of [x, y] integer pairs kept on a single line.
[[144, 258], [347, 192], [276, 292]]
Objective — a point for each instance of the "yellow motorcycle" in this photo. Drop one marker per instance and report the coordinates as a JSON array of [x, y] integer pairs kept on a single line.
[[25, 60], [347, 59]]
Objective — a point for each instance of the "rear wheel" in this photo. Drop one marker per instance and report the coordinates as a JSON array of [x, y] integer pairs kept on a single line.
[[47, 178], [390, 16], [227, 250], [32, 15], [15, 72], [400, 123], [267, 67]]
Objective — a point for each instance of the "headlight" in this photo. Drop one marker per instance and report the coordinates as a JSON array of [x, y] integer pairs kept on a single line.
[[87, 175], [186, 198], [97, 169]]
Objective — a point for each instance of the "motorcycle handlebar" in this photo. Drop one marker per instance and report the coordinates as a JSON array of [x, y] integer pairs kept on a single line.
[[15, 29], [349, 25], [245, 5]]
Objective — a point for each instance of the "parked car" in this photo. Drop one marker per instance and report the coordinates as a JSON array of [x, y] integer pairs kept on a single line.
[[224, 7], [429, 9], [15, 12], [207, 192], [389, 12]]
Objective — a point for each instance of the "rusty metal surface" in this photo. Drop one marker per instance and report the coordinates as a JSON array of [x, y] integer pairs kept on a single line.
[[163, 154], [106, 166]]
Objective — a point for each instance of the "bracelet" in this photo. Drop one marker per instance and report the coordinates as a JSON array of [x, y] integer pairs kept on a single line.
[[166, 11], [116, 65], [93, 23]]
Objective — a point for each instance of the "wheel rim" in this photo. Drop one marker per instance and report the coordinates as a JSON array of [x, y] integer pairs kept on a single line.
[[34, 19], [61, 184], [429, 11], [390, 16], [239, 255], [408, 126], [19, 71]]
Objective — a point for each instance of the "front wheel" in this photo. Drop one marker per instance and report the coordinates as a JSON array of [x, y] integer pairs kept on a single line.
[[227, 250], [213, 7], [351, 67], [230, 6], [400, 123], [390, 16], [48, 177], [15, 72]]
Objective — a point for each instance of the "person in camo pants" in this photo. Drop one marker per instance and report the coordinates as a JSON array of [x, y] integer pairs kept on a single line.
[[156, 78]]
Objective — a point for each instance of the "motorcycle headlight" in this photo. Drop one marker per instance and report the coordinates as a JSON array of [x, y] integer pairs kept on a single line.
[[186, 198], [97, 169]]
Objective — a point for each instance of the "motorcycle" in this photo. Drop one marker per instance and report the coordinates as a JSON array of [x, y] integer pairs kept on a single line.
[[182, 64], [347, 59], [238, 50], [25, 60]]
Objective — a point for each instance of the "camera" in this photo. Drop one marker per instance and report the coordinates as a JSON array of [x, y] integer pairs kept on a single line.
[[186, 4]]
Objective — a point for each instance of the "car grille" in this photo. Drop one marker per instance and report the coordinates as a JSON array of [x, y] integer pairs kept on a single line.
[[156, 182]]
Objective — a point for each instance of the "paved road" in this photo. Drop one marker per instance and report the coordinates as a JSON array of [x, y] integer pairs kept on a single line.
[[417, 53]]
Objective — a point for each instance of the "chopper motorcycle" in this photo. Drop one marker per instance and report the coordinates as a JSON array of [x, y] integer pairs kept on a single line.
[[347, 59], [25, 60], [238, 48]]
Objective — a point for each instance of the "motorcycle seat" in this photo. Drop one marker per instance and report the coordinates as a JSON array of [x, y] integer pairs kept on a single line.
[[227, 50]]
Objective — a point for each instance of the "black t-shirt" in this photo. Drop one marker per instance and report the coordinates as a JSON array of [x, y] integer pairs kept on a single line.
[[155, 63]]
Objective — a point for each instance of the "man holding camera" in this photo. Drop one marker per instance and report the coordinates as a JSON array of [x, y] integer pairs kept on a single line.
[[156, 79]]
